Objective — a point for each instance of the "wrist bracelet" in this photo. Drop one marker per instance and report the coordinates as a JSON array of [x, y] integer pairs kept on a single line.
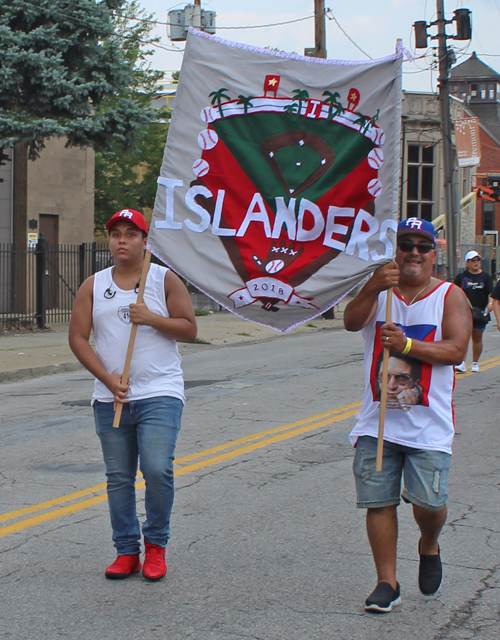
[[407, 348]]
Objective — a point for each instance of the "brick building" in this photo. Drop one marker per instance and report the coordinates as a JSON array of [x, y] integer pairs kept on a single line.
[[478, 85]]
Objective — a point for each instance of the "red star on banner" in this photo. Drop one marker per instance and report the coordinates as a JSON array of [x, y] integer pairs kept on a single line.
[[353, 99], [271, 83]]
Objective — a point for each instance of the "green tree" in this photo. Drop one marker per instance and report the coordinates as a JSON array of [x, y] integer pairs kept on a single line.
[[128, 180], [75, 69]]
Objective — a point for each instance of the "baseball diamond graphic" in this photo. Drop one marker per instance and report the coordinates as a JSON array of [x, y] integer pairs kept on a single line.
[[292, 159]]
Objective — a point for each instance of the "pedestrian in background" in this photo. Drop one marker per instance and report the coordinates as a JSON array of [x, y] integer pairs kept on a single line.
[[477, 286], [495, 299]]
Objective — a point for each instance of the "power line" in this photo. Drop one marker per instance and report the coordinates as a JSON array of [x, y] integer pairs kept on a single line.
[[111, 33], [162, 23], [253, 26], [273, 24], [412, 73], [328, 13]]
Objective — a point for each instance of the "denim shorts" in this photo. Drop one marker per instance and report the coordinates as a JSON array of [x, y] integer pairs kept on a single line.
[[478, 326], [425, 475]]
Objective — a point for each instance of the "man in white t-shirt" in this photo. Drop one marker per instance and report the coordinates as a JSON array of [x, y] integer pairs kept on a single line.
[[152, 398], [431, 324]]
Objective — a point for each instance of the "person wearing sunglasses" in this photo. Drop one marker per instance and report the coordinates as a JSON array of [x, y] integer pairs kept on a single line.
[[477, 286], [431, 323]]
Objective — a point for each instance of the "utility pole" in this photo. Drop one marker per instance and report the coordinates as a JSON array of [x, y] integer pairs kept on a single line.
[[319, 50], [319, 28], [464, 32], [196, 23], [444, 98]]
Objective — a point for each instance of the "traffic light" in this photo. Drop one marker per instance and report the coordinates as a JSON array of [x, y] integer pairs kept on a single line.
[[464, 27], [420, 34]]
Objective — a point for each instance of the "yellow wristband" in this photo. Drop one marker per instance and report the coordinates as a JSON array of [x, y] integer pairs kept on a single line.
[[407, 348]]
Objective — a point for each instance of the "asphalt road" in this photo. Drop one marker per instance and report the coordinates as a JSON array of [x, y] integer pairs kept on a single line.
[[266, 541]]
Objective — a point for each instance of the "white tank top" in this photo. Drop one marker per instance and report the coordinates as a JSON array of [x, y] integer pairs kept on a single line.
[[156, 364], [420, 412]]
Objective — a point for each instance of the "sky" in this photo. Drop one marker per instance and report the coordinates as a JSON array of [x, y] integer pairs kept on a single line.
[[355, 30]]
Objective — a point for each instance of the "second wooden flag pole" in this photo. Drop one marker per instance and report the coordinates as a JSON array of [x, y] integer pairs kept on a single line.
[[133, 333], [383, 388]]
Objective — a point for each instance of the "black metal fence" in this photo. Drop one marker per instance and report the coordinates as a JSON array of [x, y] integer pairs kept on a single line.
[[38, 285]]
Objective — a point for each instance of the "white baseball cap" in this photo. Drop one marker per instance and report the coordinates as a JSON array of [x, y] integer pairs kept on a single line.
[[471, 254]]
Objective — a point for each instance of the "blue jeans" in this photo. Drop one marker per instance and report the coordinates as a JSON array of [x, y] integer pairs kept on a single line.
[[148, 434]]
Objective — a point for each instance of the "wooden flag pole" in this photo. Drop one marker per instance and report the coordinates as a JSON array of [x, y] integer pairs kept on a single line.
[[383, 388], [133, 333]]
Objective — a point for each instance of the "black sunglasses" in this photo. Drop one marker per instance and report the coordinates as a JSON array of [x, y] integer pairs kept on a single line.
[[407, 246]]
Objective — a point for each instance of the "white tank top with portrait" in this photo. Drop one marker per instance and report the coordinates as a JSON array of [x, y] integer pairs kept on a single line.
[[422, 415], [156, 364]]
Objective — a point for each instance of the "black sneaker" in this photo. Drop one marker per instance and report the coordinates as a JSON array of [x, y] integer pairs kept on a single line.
[[430, 573], [383, 598]]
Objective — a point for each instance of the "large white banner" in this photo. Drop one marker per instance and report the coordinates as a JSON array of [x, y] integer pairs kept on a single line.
[[278, 192]]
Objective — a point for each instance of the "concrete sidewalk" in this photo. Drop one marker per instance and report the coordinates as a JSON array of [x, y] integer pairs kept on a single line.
[[35, 353]]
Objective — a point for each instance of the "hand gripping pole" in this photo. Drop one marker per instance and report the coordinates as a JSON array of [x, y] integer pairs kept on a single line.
[[383, 388], [133, 333]]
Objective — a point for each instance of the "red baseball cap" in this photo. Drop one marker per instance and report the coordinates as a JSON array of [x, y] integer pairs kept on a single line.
[[128, 215]]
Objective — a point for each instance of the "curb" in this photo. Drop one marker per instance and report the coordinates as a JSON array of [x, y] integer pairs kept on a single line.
[[184, 348], [36, 372]]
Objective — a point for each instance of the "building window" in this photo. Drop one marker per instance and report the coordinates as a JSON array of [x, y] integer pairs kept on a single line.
[[491, 92], [473, 90], [420, 182], [488, 216]]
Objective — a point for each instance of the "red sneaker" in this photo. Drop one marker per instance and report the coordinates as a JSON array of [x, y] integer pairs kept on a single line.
[[154, 562], [123, 566]]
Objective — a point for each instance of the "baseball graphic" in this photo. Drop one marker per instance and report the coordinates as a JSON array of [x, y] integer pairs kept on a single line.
[[207, 139], [206, 115], [201, 168], [274, 266], [378, 136], [374, 187], [375, 158]]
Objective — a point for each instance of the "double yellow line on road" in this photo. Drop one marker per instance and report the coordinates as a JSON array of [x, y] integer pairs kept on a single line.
[[77, 501], [73, 502], [485, 364]]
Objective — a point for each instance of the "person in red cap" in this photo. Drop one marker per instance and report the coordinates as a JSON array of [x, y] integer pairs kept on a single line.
[[152, 398], [428, 334]]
